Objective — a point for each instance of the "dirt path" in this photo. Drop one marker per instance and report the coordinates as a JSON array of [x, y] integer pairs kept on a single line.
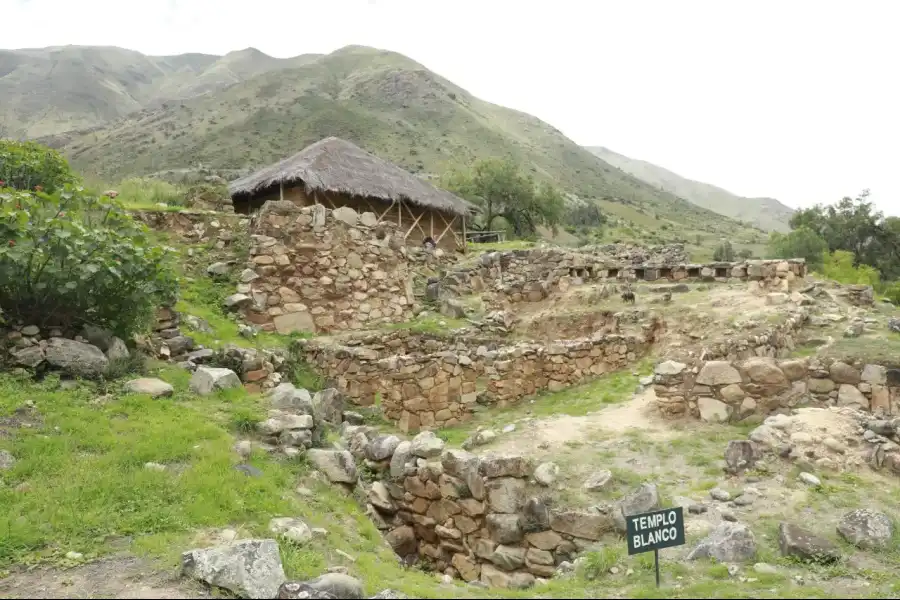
[[558, 431], [118, 577]]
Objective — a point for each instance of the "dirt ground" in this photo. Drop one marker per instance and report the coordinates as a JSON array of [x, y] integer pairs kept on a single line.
[[117, 577]]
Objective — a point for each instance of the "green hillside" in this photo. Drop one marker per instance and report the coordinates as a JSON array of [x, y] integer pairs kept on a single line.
[[139, 115], [766, 213]]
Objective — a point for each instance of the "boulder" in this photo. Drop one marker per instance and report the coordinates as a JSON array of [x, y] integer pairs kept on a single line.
[[329, 585], [427, 445], [348, 216], [874, 374], [29, 357], [248, 568], [849, 395], [328, 406], [506, 465], [740, 455], [584, 525], [290, 528], [841, 372], [546, 473], [508, 558], [402, 540], [718, 372], [865, 528], [287, 397], [797, 542], [504, 528], [764, 371], [453, 309], [117, 350], [380, 498], [599, 480], [402, 455], [207, 380], [728, 542], [153, 387], [76, 358], [670, 368], [505, 494], [382, 447], [297, 590], [712, 410], [337, 465], [535, 516], [644, 499]]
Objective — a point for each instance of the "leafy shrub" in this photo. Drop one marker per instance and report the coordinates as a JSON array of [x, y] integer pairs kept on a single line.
[[892, 292], [24, 165], [69, 259], [802, 242], [724, 253], [838, 265]]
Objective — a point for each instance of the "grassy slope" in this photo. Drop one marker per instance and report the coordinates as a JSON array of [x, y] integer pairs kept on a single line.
[[383, 101], [767, 213], [49, 90]]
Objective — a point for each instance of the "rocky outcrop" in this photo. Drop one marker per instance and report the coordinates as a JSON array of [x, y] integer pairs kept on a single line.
[[248, 568]]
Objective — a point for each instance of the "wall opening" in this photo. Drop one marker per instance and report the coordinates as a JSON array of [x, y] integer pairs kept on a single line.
[[639, 273], [695, 272], [612, 273], [721, 272]]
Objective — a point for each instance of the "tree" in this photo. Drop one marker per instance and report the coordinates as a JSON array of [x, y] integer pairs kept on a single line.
[[26, 165], [724, 253], [502, 191], [799, 243]]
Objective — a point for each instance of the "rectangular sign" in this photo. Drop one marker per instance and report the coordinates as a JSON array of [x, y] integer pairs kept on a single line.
[[655, 530]]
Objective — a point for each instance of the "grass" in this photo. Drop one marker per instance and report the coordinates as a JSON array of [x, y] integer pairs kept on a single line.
[[574, 401], [144, 193], [881, 348]]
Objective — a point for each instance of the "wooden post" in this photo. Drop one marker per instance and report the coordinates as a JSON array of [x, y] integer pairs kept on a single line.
[[281, 190], [465, 240]]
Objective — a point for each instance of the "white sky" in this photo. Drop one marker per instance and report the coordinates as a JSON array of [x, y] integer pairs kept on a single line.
[[794, 99]]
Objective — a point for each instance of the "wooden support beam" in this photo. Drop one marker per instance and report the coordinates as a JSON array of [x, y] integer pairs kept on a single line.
[[415, 223], [386, 211], [447, 227], [281, 190]]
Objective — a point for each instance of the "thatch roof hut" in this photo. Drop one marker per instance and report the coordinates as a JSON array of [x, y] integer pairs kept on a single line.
[[336, 172]]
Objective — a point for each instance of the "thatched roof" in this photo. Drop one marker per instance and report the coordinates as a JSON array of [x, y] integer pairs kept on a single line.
[[336, 165]]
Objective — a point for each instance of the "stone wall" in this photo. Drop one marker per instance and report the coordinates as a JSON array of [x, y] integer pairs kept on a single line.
[[479, 518], [311, 271], [194, 227], [723, 390], [532, 275], [441, 389]]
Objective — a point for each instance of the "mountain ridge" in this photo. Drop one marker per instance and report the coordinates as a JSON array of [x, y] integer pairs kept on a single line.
[[767, 213]]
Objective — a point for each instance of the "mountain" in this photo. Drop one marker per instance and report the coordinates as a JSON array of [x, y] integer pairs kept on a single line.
[[49, 90], [766, 213], [117, 113]]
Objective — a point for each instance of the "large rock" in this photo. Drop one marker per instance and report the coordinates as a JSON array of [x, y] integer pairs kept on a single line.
[[598, 480], [504, 528], [402, 540], [77, 358], [508, 558], [494, 577], [290, 528], [505, 494], [402, 454], [546, 473], [298, 590], [506, 465], [117, 350], [728, 542], [153, 387], [740, 455], [669, 368], [346, 214], [337, 465], [643, 499], [874, 374], [535, 516], [452, 308], [795, 541], [764, 371], [329, 585], [295, 322], [849, 395], [288, 397], [248, 568], [328, 406], [382, 447], [718, 372], [207, 380], [584, 525], [29, 357], [427, 445], [712, 410], [865, 528], [841, 372]]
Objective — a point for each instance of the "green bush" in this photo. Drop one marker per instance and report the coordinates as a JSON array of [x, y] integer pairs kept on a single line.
[[838, 266], [892, 292], [802, 242], [724, 252], [24, 165], [69, 259]]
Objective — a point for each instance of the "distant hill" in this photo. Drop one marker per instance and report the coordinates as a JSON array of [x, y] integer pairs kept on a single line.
[[766, 213], [117, 113]]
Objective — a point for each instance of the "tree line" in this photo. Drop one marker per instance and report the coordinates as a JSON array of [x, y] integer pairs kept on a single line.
[[849, 241]]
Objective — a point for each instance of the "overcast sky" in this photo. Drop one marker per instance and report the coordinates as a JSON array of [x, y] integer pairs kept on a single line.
[[795, 99]]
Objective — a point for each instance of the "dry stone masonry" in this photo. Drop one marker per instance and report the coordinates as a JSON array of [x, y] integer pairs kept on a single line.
[[441, 389], [722, 390], [316, 270]]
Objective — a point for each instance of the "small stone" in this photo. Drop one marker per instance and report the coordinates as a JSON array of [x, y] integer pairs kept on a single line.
[[71, 555], [7, 460], [152, 466], [697, 509], [600, 480], [153, 387], [719, 494], [509, 428], [291, 529], [765, 569], [30, 330], [546, 473], [427, 445], [809, 479]]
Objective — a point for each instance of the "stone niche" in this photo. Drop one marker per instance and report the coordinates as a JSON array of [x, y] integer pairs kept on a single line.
[[316, 270]]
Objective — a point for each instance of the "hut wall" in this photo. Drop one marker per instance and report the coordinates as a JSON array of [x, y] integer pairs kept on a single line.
[[430, 223]]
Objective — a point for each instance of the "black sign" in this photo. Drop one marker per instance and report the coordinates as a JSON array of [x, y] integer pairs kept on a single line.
[[655, 530]]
